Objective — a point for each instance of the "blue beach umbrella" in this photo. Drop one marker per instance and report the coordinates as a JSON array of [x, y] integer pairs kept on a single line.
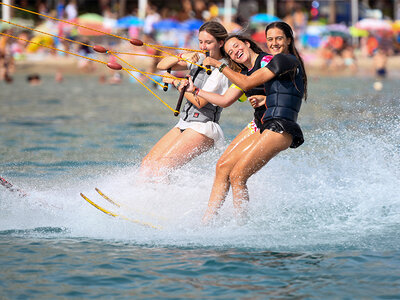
[[129, 21], [192, 24], [167, 24], [263, 18]]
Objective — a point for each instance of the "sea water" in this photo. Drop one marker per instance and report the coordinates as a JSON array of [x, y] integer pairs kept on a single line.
[[324, 218]]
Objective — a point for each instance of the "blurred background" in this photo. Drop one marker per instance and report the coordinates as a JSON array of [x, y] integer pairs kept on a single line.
[[333, 35]]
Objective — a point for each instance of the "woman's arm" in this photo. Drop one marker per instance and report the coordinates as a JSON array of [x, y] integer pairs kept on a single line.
[[279, 64], [257, 100], [199, 102], [244, 82], [177, 64], [225, 100]]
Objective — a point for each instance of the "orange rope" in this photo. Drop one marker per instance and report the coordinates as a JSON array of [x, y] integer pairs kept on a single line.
[[99, 31], [139, 54], [76, 42], [100, 61], [175, 111], [50, 47], [56, 36], [136, 69], [105, 33]]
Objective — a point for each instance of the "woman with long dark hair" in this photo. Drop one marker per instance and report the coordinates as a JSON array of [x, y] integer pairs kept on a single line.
[[285, 83]]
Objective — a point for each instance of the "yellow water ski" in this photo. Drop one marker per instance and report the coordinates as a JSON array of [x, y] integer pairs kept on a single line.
[[107, 198], [112, 214], [136, 210]]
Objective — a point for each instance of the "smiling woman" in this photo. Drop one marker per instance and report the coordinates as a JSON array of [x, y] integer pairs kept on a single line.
[[285, 83], [198, 129]]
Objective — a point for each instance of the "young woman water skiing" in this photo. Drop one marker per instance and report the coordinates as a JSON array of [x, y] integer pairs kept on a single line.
[[198, 128], [285, 83]]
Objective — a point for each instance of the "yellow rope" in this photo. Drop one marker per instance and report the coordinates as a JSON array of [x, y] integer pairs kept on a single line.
[[76, 42], [50, 47], [56, 36], [180, 58], [139, 54], [99, 61], [135, 69], [175, 111], [99, 31], [105, 33]]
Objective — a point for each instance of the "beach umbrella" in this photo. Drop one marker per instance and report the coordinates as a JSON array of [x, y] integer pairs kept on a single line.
[[167, 24], [374, 25], [91, 21], [192, 24], [259, 37], [47, 27], [94, 21], [313, 34], [23, 22], [91, 18], [396, 26], [129, 21], [263, 18], [337, 30], [316, 30], [356, 32]]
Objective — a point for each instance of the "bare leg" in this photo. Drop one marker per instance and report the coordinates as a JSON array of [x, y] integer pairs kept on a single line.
[[174, 150], [157, 151], [259, 154], [224, 166], [189, 145]]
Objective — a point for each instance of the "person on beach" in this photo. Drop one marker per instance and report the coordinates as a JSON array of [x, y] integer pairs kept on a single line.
[[285, 82], [6, 58], [198, 129]]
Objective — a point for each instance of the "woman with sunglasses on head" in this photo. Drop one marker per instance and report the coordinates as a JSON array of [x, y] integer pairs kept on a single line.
[[198, 128], [285, 82]]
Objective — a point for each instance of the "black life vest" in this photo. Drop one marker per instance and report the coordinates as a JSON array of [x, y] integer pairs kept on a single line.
[[286, 90], [258, 90]]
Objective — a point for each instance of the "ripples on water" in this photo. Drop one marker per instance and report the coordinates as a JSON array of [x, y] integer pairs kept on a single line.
[[324, 217]]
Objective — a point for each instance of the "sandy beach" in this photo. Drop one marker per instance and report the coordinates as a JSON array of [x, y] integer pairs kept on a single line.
[[314, 63]]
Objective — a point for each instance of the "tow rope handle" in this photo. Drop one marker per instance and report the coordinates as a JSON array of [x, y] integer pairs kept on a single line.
[[179, 103], [165, 88], [208, 67]]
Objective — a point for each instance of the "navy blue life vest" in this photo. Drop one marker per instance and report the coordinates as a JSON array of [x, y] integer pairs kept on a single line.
[[286, 90], [258, 90]]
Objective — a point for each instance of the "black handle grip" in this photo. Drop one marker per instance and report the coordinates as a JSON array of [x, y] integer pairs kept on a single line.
[[208, 67], [165, 88], [179, 103]]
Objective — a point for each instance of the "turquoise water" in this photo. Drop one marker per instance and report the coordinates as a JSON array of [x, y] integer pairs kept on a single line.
[[325, 218]]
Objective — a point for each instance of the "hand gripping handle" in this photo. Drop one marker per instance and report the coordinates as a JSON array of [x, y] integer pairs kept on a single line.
[[179, 103]]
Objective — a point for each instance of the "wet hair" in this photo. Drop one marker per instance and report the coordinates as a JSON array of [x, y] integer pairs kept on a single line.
[[287, 30], [253, 46]]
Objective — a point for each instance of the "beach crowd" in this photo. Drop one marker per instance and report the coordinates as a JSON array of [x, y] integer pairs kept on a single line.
[[337, 45]]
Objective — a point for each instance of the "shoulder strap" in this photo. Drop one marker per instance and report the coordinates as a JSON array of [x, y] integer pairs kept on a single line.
[[197, 73]]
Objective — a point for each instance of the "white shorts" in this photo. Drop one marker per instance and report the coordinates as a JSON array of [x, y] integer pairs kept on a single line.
[[209, 129]]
